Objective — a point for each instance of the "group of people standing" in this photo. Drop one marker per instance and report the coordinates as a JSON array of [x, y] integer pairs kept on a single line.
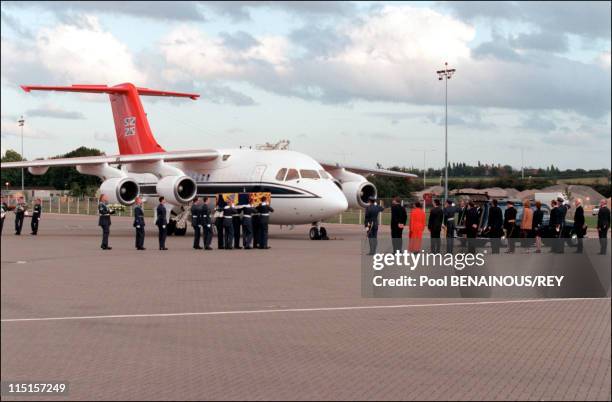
[[499, 224], [20, 210], [228, 221]]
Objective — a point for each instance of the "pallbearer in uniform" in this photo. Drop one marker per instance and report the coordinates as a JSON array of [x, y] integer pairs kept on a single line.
[[36, 214], [196, 206], [236, 223], [104, 220], [206, 221], [264, 218], [139, 224], [228, 224], [162, 223], [19, 215], [219, 225], [247, 226], [398, 220], [371, 224], [449, 223], [255, 222]]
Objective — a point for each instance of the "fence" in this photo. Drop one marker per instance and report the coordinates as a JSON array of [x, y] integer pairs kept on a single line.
[[89, 206]]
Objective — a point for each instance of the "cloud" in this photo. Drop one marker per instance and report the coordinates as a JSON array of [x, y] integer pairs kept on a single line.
[[14, 24], [54, 112], [157, 10], [10, 128], [63, 55], [589, 19], [537, 123], [105, 137], [239, 11], [222, 94], [391, 55]]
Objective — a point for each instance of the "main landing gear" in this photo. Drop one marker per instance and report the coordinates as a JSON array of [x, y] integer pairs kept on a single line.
[[318, 232]]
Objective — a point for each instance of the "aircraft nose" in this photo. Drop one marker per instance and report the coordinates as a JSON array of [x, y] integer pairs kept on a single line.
[[338, 201]]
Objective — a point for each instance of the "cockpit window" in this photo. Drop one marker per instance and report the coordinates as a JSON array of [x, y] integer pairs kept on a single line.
[[309, 174], [292, 175], [324, 174], [281, 174]]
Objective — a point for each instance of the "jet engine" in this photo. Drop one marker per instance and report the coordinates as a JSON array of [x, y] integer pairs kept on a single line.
[[358, 193], [177, 189], [120, 190]]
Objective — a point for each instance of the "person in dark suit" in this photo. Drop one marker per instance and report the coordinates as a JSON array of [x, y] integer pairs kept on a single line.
[[196, 223], [162, 223], [449, 223], [538, 219], [554, 224], [603, 224], [472, 220], [36, 215], [436, 217], [104, 220], [139, 224], [579, 224], [563, 208], [495, 226], [20, 210], [399, 217], [264, 210], [206, 221], [510, 226]]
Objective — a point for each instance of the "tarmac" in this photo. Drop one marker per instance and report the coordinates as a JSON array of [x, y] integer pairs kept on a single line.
[[280, 324]]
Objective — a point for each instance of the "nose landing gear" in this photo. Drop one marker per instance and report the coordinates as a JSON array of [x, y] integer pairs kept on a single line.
[[318, 232]]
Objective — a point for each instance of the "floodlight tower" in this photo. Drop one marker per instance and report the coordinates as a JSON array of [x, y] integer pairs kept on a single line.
[[445, 75]]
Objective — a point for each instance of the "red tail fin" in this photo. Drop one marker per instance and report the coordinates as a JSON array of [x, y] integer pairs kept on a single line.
[[134, 135]]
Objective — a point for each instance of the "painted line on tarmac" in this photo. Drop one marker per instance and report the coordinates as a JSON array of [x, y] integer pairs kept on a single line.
[[289, 310]]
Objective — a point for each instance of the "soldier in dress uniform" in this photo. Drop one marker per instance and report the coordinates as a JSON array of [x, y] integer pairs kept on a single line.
[[36, 214], [20, 210], [399, 217], [449, 223], [472, 221], [247, 226], [3, 210], [219, 224], [206, 223], [371, 223], [104, 221], [255, 220], [139, 224], [264, 217], [236, 223], [228, 224], [162, 223], [196, 222]]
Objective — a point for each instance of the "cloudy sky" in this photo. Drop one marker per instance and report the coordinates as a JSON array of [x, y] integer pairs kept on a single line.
[[351, 82]]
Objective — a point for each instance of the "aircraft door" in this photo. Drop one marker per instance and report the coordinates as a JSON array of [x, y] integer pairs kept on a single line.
[[258, 172]]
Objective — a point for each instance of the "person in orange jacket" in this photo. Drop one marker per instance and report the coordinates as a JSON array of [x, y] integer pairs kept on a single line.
[[417, 226]]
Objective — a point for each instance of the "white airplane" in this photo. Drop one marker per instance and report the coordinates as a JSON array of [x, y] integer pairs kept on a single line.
[[303, 190]]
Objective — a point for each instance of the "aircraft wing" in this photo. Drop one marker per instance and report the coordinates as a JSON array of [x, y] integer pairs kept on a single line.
[[365, 171], [176, 156]]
